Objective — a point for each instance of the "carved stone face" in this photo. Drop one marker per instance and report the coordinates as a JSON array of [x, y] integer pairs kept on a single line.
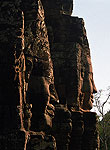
[[87, 94], [87, 101], [87, 85]]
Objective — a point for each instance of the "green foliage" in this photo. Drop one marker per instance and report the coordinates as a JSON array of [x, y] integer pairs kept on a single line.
[[104, 131]]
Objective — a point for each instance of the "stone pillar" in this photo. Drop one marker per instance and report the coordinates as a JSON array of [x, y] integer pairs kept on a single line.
[[90, 139], [62, 126], [77, 131]]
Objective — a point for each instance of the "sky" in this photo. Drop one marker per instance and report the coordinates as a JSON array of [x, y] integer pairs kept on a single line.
[[96, 15]]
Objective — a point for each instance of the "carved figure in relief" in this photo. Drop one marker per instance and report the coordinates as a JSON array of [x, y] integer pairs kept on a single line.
[[71, 62], [39, 68], [88, 87]]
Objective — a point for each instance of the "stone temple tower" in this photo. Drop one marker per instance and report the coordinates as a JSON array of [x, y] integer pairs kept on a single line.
[[46, 86]]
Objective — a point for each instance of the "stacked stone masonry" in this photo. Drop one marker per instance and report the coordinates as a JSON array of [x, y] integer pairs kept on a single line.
[[46, 86]]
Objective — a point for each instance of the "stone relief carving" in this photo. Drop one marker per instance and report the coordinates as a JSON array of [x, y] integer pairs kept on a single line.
[[50, 82]]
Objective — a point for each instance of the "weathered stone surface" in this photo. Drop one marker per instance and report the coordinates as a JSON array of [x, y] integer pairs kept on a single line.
[[90, 135], [13, 140], [77, 131], [30, 116], [9, 118], [26, 71], [40, 69], [40, 141], [10, 24], [62, 127], [72, 70], [57, 7], [71, 60]]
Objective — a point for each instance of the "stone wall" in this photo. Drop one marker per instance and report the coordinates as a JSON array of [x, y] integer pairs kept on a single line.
[[71, 58], [27, 76], [73, 76], [46, 84]]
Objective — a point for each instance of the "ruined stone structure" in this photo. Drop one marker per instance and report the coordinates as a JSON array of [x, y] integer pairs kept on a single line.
[[46, 86]]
